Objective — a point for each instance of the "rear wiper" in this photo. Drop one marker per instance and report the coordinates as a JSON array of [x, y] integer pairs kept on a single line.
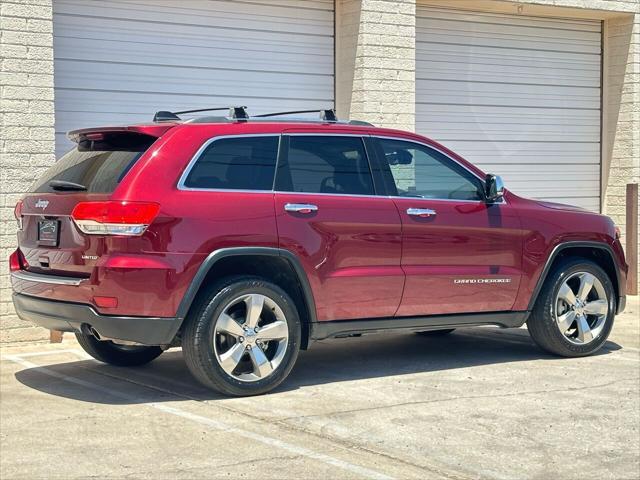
[[64, 185]]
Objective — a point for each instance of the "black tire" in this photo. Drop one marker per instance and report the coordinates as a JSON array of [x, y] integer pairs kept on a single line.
[[436, 333], [542, 325], [198, 336], [120, 355]]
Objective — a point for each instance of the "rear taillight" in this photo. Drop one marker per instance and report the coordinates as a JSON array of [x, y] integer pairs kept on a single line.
[[17, 261], [114, 218], [17, 212]]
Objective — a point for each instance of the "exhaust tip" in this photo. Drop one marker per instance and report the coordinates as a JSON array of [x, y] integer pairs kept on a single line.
[[87, 329]]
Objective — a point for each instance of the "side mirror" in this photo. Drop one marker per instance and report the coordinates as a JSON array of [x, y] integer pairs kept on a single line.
[[494, 188]]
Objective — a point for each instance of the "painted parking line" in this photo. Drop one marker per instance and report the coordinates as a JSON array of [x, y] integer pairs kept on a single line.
[[205, 421], [46, 352]]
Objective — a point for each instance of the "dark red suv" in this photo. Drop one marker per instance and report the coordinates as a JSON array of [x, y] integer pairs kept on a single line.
[[245, 239]]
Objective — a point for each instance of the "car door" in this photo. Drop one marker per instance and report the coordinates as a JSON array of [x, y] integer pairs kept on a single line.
[[347, 238], [459, 253]]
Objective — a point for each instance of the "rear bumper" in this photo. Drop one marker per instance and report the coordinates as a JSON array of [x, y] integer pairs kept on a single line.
[[70, 317]]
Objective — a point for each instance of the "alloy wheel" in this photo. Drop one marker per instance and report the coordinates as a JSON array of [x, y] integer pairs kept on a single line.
[[581, 308], [250, 337]]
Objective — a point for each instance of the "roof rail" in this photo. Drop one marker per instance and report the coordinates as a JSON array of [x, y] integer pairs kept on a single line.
[[235, 113], [361, 122], [240, 114], [208, 119], [326, 115]]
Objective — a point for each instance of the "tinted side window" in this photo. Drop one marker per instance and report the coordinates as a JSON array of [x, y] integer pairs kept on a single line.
[[325, 164], [238, 163], [420, 171]]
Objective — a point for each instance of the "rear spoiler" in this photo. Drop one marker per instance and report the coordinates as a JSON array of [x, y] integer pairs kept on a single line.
[[98, 133]]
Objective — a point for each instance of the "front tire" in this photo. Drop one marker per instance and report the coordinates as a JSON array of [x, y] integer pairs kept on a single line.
[[573, 315], [243, 338], [106, 351]]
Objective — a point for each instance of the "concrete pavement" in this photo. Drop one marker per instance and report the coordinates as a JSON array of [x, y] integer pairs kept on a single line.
[[480, 403]]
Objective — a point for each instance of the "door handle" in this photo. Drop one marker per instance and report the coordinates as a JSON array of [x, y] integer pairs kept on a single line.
[[421, 212], [300, 207]]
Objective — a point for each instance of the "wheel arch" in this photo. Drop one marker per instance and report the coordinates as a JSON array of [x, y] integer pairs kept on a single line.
[[278, 265], [600, 253]]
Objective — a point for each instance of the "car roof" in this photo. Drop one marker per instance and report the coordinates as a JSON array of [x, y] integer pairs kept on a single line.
[[270, 126]]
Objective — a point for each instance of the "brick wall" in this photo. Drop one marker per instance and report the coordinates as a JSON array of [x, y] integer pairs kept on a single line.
[[375, 59], [622, 114], [27, 135]]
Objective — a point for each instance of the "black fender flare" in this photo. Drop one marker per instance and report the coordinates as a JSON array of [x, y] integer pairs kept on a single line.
[[575, 244], [217, 255]]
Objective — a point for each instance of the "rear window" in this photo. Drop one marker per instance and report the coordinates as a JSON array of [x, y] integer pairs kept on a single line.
[[99, 170]]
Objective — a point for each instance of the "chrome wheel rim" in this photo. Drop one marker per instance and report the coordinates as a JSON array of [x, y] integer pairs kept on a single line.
[[250, 337], [582, 308]]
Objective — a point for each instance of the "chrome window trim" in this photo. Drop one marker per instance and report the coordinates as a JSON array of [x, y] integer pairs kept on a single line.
[[199, 152], [331, 194], [41, 278], [400, 139], [380, 196], [315, 134], [185, 174]]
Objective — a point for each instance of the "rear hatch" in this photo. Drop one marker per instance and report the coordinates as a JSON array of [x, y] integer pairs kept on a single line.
[[90, 172]]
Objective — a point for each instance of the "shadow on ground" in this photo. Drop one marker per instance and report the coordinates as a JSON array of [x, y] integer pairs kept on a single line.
[[327, 362]]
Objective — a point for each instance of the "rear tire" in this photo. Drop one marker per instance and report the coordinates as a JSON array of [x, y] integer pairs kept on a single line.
[[573, 315], [243, 337], [120, 355], [436, 333]]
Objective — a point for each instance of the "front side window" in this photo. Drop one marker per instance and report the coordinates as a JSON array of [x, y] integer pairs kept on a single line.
[[420, 171], [236, 163], [325, 164]]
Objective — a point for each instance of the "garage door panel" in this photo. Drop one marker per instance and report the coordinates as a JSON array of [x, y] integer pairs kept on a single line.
[[507, 57], [516, 95], [118, 62], [310, 60], [506, 32], [509, 114], [533, 160], [587, 202], [479, 40], [524, 76], [167, 80], [144, 105], [504, 94], [513, 20], [533, 172], [505, 132], [176, 37], [540, 147], [229, 16]]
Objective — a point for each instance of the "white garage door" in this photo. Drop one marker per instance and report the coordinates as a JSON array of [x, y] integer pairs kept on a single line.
[[518, 96], [118, 61]]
